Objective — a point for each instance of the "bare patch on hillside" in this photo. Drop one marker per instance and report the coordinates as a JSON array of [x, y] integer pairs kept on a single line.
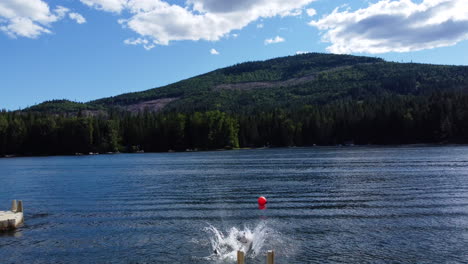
[[260, 85], [276, 84], [152, 106], [92, 113]]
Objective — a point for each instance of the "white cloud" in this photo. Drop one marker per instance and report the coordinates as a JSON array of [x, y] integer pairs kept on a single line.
[[311, 12], [396, 26], [300, 52], [28, 18], [115, 6], [140, 41], [61, 12], [261, 8], [259, 25], [23, 27], [214, 52], [295, 12], [77, 17], [275, 40], [209, 20]]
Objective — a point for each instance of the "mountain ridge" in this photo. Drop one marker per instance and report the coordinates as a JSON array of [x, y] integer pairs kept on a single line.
[[313, 78], [304, 100]]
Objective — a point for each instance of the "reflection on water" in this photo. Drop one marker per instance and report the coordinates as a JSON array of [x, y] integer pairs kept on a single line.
[[11, 233], [325, 205]]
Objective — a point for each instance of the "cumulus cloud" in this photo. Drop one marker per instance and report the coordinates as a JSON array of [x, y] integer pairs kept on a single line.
[[140, 41], [260, 8], [275, 40], [115, 6], [396, 26], [31, 18], [61, 12], [214, 52], [210, 20], [300, 52], [77, 17], [311, 12], [23, 27]]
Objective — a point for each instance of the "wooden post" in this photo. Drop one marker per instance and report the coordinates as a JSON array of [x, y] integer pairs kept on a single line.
[[12, 219], [271, 257], [4, 225], [14, 206], [11, 223], [20, 207], [240, 257]]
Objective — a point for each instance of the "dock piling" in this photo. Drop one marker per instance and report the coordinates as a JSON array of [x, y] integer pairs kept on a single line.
[[271, 257], [14, 206], [20, 207], [240, 257], [12, 219]]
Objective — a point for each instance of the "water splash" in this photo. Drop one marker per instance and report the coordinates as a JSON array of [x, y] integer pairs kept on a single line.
[[225, 245]]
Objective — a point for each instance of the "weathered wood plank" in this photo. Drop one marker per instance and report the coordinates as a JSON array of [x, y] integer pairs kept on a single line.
[[271, 257], [12, 219], [240, 257]]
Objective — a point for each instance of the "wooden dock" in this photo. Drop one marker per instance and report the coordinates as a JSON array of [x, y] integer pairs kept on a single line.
[[12, 219], [270, 257]]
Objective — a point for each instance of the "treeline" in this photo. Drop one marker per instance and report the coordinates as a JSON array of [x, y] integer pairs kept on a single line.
[[393, 119], [42, 134]]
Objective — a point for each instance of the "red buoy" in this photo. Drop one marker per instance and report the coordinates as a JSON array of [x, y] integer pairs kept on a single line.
[[262, 201]]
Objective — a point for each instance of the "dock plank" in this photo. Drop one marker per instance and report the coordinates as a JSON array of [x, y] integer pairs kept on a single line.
[[12, 219]]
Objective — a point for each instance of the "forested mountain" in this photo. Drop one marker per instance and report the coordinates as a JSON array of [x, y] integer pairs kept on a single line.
[[283, 83], [291, 101]]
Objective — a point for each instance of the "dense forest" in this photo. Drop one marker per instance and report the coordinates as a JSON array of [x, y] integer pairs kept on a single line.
[[441, 117], [304, 100]]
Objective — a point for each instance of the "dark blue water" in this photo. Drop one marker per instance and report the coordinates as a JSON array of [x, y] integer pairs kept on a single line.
[[326, 205]]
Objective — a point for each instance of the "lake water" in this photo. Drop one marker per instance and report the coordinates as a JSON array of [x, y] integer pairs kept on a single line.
[[325, 205]]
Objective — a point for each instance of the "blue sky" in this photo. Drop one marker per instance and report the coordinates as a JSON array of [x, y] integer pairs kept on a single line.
[[88, 49]]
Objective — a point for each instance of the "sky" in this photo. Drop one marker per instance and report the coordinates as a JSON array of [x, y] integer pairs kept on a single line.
[[83, 50]]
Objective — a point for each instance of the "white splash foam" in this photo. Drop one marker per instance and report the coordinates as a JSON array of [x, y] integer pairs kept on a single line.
[[225, 245]]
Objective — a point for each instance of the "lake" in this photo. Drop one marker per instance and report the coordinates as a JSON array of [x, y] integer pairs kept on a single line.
[[404, 204]]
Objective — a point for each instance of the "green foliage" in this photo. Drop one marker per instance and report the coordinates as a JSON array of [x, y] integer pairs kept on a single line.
[[389, 119], [328, 78], [63, 106], [197, 87], [340, 99]]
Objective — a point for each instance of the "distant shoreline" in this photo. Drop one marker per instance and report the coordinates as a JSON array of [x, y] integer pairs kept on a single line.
[[246, 148]]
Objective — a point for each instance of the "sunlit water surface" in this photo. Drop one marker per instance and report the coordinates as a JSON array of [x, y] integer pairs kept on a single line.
[[325, 205]]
